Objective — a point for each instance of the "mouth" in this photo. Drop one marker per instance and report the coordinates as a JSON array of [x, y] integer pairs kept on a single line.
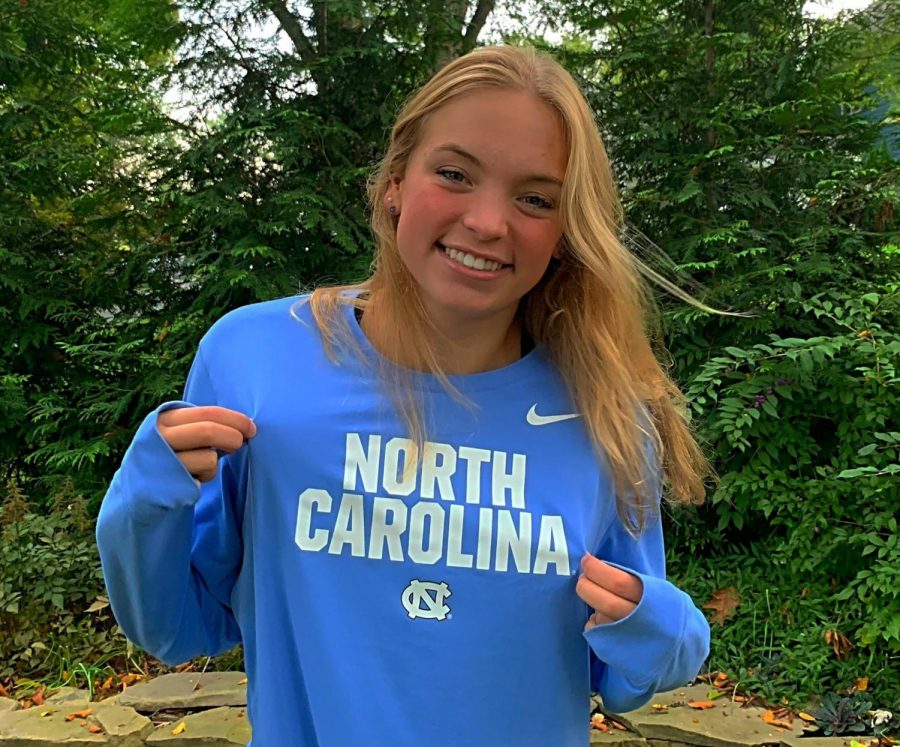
[[471, 261]]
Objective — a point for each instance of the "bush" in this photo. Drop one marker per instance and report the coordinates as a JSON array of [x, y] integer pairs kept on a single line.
[[51, 621], [804, 521]]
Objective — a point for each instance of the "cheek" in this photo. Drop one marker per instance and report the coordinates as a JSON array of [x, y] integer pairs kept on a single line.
[[541, 238], [429, 202]]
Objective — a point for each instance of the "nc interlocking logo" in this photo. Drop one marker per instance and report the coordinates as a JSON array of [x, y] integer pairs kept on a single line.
[[429, 594]]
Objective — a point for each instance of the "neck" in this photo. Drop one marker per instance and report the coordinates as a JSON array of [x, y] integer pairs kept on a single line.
[[463, 345]]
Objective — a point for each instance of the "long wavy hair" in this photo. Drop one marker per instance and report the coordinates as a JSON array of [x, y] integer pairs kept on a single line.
[[589, 314]]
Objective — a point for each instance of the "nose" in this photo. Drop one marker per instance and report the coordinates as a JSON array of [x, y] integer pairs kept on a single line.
[[487, 216]]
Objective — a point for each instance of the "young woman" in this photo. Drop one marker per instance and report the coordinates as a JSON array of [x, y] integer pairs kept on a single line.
[[427, 505]]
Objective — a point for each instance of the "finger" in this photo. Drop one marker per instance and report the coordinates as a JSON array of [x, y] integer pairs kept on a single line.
[[201, 463], [232, 418], [603, 600], [598, 618], [203, 435], [619, 582]]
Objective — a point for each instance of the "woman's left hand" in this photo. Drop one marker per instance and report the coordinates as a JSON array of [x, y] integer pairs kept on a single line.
[[611, 592]]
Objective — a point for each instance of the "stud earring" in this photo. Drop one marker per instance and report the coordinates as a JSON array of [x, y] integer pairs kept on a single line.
[[392, 210]]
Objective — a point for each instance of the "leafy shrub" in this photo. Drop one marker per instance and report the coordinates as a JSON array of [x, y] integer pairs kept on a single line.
[[49, 577], [804, 519]]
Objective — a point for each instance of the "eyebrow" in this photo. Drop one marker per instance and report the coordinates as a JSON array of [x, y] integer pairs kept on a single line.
[[460, 151]]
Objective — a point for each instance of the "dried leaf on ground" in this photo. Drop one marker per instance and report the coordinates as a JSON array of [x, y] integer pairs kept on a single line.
[[95, 729], [721, 680], [839, 643], [723, 602], [861, 684], [243, 681], [180, 728], [84, 713], [702, 705], [770, 718], [660, 707], [38, 698], [806, 717]]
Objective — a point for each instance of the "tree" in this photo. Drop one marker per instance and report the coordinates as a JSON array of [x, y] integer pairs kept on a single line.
[[736, 132], [77, 113]]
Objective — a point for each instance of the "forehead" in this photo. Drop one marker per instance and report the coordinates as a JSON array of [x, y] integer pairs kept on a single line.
[[510, 130]]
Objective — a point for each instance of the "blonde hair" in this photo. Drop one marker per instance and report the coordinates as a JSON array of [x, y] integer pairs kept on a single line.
[[588, 313]]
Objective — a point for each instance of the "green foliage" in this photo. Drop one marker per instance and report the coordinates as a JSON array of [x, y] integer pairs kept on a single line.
[[736, 133], [813, 422], [49, 578], [79, 117]]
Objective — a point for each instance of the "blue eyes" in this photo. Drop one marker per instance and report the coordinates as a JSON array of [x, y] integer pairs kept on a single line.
[[451, 174], [457, 177]]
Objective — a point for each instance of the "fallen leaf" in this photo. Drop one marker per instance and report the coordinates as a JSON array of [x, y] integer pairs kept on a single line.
[[660, 707], [806, 717], [770, 718], [48, 712], [713, 694], [838, 642], [38, 698], [723, 602], [702, 705], [180, 728], [3, 691], [94, 729], [721, 680], [861, 684], [695, 720], [79, 714], [243, 681], [98, 604], [84, 723]]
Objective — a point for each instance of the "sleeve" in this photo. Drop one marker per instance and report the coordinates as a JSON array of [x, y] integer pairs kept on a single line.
[[171, 548], [662, 643]]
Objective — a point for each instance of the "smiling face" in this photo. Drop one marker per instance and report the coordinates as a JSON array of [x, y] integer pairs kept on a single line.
[[478, 204]]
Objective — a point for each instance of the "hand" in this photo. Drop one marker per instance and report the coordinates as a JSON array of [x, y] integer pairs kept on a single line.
[[613, 593], [197, 435]]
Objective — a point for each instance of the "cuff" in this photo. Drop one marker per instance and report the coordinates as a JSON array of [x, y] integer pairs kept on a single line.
[[643, 645], [151, 472]]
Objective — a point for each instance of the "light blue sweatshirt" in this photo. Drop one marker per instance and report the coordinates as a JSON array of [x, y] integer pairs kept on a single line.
[[379, 602]]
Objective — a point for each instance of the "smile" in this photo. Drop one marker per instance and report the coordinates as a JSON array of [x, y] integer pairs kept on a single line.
[[470, 260]]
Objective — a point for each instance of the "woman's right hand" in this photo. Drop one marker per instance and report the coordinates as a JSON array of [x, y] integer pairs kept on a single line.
[[198, 435]]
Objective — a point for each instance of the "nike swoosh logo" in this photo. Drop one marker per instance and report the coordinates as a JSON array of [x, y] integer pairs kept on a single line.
[[534, 419]]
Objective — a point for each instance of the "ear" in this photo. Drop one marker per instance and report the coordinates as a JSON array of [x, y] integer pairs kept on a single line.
[[392, 197], [560, 248]]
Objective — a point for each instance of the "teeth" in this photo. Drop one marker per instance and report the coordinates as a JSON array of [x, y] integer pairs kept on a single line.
[[469, 260]]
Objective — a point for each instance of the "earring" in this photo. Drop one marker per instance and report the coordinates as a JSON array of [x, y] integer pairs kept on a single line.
[[391, 209]]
